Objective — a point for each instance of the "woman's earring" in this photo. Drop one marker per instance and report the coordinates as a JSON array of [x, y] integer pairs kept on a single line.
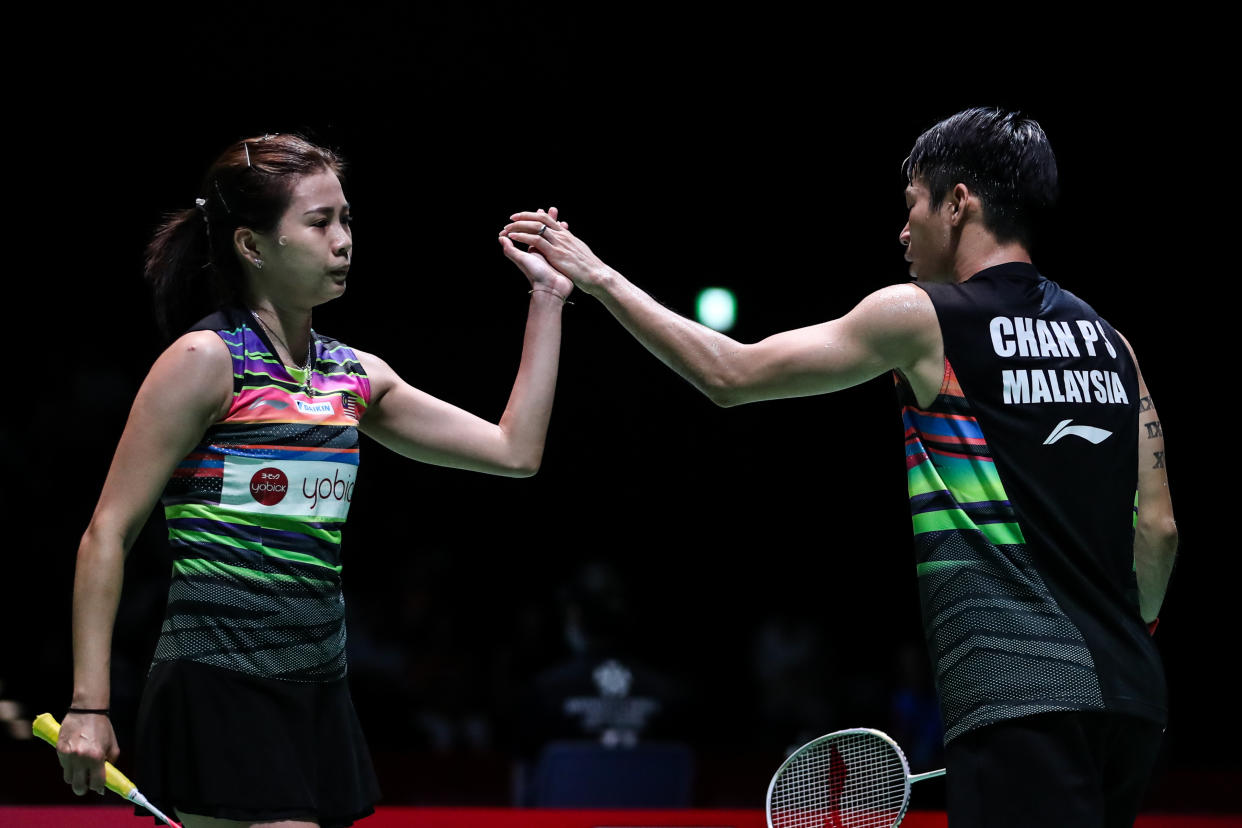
[[258, 263]]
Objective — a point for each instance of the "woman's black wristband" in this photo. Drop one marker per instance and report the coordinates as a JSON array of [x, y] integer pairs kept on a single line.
[[101, 711]]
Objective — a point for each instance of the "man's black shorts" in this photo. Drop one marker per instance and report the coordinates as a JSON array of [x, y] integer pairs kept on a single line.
[[1070, 770]]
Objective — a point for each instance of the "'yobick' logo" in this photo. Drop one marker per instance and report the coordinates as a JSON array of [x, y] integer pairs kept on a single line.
[[269, 486], [338, 488]]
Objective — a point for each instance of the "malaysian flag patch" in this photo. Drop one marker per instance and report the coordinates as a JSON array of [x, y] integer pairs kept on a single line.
[[350, 406]]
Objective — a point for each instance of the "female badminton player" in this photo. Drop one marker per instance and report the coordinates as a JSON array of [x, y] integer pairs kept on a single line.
[[247, 429]]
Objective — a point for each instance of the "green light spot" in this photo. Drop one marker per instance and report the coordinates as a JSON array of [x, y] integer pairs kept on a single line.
[[716, 308]]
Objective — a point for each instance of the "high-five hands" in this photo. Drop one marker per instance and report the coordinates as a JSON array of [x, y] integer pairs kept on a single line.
[[542, 276], [545, 235]]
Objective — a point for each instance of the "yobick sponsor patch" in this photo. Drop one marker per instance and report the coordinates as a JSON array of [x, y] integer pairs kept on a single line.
[[310, 488]]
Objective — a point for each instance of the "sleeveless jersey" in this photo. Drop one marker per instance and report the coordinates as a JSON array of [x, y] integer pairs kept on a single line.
[[1022, 476], [255, 513]]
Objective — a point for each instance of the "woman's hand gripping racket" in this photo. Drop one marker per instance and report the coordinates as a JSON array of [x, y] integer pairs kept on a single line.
[[48, 729], [856, 778]]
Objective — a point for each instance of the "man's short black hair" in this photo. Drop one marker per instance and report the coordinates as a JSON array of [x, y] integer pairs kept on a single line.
[[1003, 157]]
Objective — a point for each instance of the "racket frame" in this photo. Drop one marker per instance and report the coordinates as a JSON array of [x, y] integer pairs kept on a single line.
[[837, 735]]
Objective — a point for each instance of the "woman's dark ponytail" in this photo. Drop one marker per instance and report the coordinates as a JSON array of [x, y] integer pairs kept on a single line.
[[183, 278]]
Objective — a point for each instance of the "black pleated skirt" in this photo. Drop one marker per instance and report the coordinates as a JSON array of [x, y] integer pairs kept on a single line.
[[223, 744]]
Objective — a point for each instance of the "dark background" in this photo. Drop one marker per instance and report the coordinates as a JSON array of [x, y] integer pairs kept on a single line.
[[762, 153]]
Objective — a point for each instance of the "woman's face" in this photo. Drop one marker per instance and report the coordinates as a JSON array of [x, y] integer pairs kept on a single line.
[[306, 258]]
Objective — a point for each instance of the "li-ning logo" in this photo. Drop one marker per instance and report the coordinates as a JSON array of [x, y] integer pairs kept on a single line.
[[269, 486], [273, 403], [314, 408], [1091, 434]]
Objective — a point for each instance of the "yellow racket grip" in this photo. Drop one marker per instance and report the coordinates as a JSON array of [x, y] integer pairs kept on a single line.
[[48, 729]]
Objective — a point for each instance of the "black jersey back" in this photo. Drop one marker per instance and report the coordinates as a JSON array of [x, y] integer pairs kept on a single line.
[[1022, 482]]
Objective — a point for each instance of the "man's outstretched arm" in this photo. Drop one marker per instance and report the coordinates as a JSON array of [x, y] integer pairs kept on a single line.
[[893, 328]]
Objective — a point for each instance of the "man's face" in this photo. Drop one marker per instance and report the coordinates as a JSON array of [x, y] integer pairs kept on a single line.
[[927, 236]]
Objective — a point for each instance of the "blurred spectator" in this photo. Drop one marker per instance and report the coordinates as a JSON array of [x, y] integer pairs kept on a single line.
[[605, 692], [915, 712], [413, 663], [791, 664]]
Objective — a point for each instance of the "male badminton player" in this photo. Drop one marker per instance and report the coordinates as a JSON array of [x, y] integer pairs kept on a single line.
[[1028, 428]]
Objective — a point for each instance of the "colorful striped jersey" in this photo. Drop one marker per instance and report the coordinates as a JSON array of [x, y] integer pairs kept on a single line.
[[255, 514], [1021, 476]]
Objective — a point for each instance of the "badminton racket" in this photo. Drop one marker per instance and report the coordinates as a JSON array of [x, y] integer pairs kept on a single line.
[[48, 729], [856, 778]]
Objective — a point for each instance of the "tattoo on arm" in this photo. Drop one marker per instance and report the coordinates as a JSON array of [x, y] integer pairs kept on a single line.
[[1153, 430], [1145, 404], [1159, 455]]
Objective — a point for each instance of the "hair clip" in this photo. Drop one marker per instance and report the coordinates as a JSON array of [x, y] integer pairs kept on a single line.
[[221, 197], [246, 147]]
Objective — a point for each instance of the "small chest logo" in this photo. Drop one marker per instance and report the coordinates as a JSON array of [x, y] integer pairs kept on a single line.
[[1091, 434], [314, 408], [277, 404], [269, 486]]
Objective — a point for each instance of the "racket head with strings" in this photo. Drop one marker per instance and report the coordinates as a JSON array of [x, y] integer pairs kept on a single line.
[[855, 778]]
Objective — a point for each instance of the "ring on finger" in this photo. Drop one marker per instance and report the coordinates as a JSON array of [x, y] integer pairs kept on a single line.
[[542, 229]]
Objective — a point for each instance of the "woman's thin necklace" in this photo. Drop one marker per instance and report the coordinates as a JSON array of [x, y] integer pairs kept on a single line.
[[310, 350]]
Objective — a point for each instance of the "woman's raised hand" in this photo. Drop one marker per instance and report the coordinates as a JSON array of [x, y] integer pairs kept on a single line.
[[541, 274]]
